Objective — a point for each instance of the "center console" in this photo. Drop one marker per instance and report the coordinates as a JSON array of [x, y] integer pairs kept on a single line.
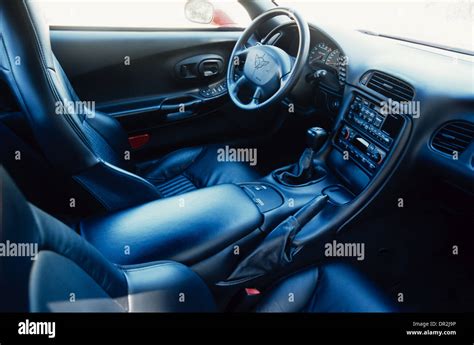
[[367, 134], [363, 143], [187, 228], [336, 178]]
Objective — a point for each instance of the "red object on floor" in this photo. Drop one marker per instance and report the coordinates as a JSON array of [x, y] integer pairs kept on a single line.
[[138, 141], [252, 291]]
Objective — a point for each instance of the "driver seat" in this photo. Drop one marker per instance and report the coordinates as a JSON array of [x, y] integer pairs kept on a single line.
[[92, 148]]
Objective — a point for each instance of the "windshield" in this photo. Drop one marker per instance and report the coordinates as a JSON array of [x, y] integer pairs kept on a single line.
[[442, 23]]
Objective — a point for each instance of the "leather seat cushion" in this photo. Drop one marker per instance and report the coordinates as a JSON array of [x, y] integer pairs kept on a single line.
[[196, 167], [332, 288], [167, 286]]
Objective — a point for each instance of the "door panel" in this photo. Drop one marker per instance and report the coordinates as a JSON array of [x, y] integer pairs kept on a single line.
[[165, 84], [94, 59]]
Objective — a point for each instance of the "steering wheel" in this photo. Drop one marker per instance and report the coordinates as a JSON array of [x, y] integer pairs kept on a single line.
[[269, 73]]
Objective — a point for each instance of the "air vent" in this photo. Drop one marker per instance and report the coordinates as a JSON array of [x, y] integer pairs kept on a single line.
[[388, 86], [453, 136]]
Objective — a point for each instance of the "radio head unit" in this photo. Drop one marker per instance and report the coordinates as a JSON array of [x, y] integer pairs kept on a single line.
[[367, 134], [367, 116]]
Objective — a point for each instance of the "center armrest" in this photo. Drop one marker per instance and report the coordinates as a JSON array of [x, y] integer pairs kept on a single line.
[[186, 228]]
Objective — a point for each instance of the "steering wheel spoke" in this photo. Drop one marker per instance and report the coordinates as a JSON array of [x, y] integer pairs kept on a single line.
[[239, 57], [235, 87], [243, 51], [257, 96], [285, 79]]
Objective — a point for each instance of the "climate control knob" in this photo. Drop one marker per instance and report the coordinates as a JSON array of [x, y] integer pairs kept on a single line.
[[356, 107], [377, 156]]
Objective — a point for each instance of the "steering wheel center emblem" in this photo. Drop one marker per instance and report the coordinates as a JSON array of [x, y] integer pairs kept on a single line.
[[260, 61], [260, 68]]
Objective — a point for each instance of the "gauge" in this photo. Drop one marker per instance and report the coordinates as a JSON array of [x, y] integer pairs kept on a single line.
[[334, 59], [319, 53]]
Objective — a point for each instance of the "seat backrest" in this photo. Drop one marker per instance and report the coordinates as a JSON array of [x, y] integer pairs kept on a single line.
[[46, 266], [71, 139]]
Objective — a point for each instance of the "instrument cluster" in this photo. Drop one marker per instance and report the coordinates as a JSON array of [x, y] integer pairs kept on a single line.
[[324, 55]]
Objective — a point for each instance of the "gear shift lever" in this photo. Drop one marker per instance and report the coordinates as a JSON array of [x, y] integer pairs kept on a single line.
[[304, 172], [315, 138]]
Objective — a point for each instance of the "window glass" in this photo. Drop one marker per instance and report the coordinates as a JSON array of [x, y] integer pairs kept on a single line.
[[442, 22], [139, 14]]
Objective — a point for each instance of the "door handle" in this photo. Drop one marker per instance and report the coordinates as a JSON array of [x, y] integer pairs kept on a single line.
[[210, 67], [200, 66]]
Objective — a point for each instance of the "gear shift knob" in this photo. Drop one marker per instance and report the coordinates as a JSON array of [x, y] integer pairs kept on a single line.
[[304, 171], [315, 138]]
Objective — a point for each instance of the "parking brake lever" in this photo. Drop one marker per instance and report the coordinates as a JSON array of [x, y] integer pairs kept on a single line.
[[312, 208], [277, 249]]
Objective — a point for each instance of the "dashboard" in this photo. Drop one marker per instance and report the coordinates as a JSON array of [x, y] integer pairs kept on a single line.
[[368, 72]]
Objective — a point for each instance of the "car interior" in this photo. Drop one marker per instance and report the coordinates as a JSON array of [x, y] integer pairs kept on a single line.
[[287, 166]]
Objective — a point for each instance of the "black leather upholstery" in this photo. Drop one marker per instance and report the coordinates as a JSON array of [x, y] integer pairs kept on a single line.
[[76, 142], [187, 228], [167, 286], [116, 188], [188, 169], [39, 88], [69, 274], [333, 287]]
